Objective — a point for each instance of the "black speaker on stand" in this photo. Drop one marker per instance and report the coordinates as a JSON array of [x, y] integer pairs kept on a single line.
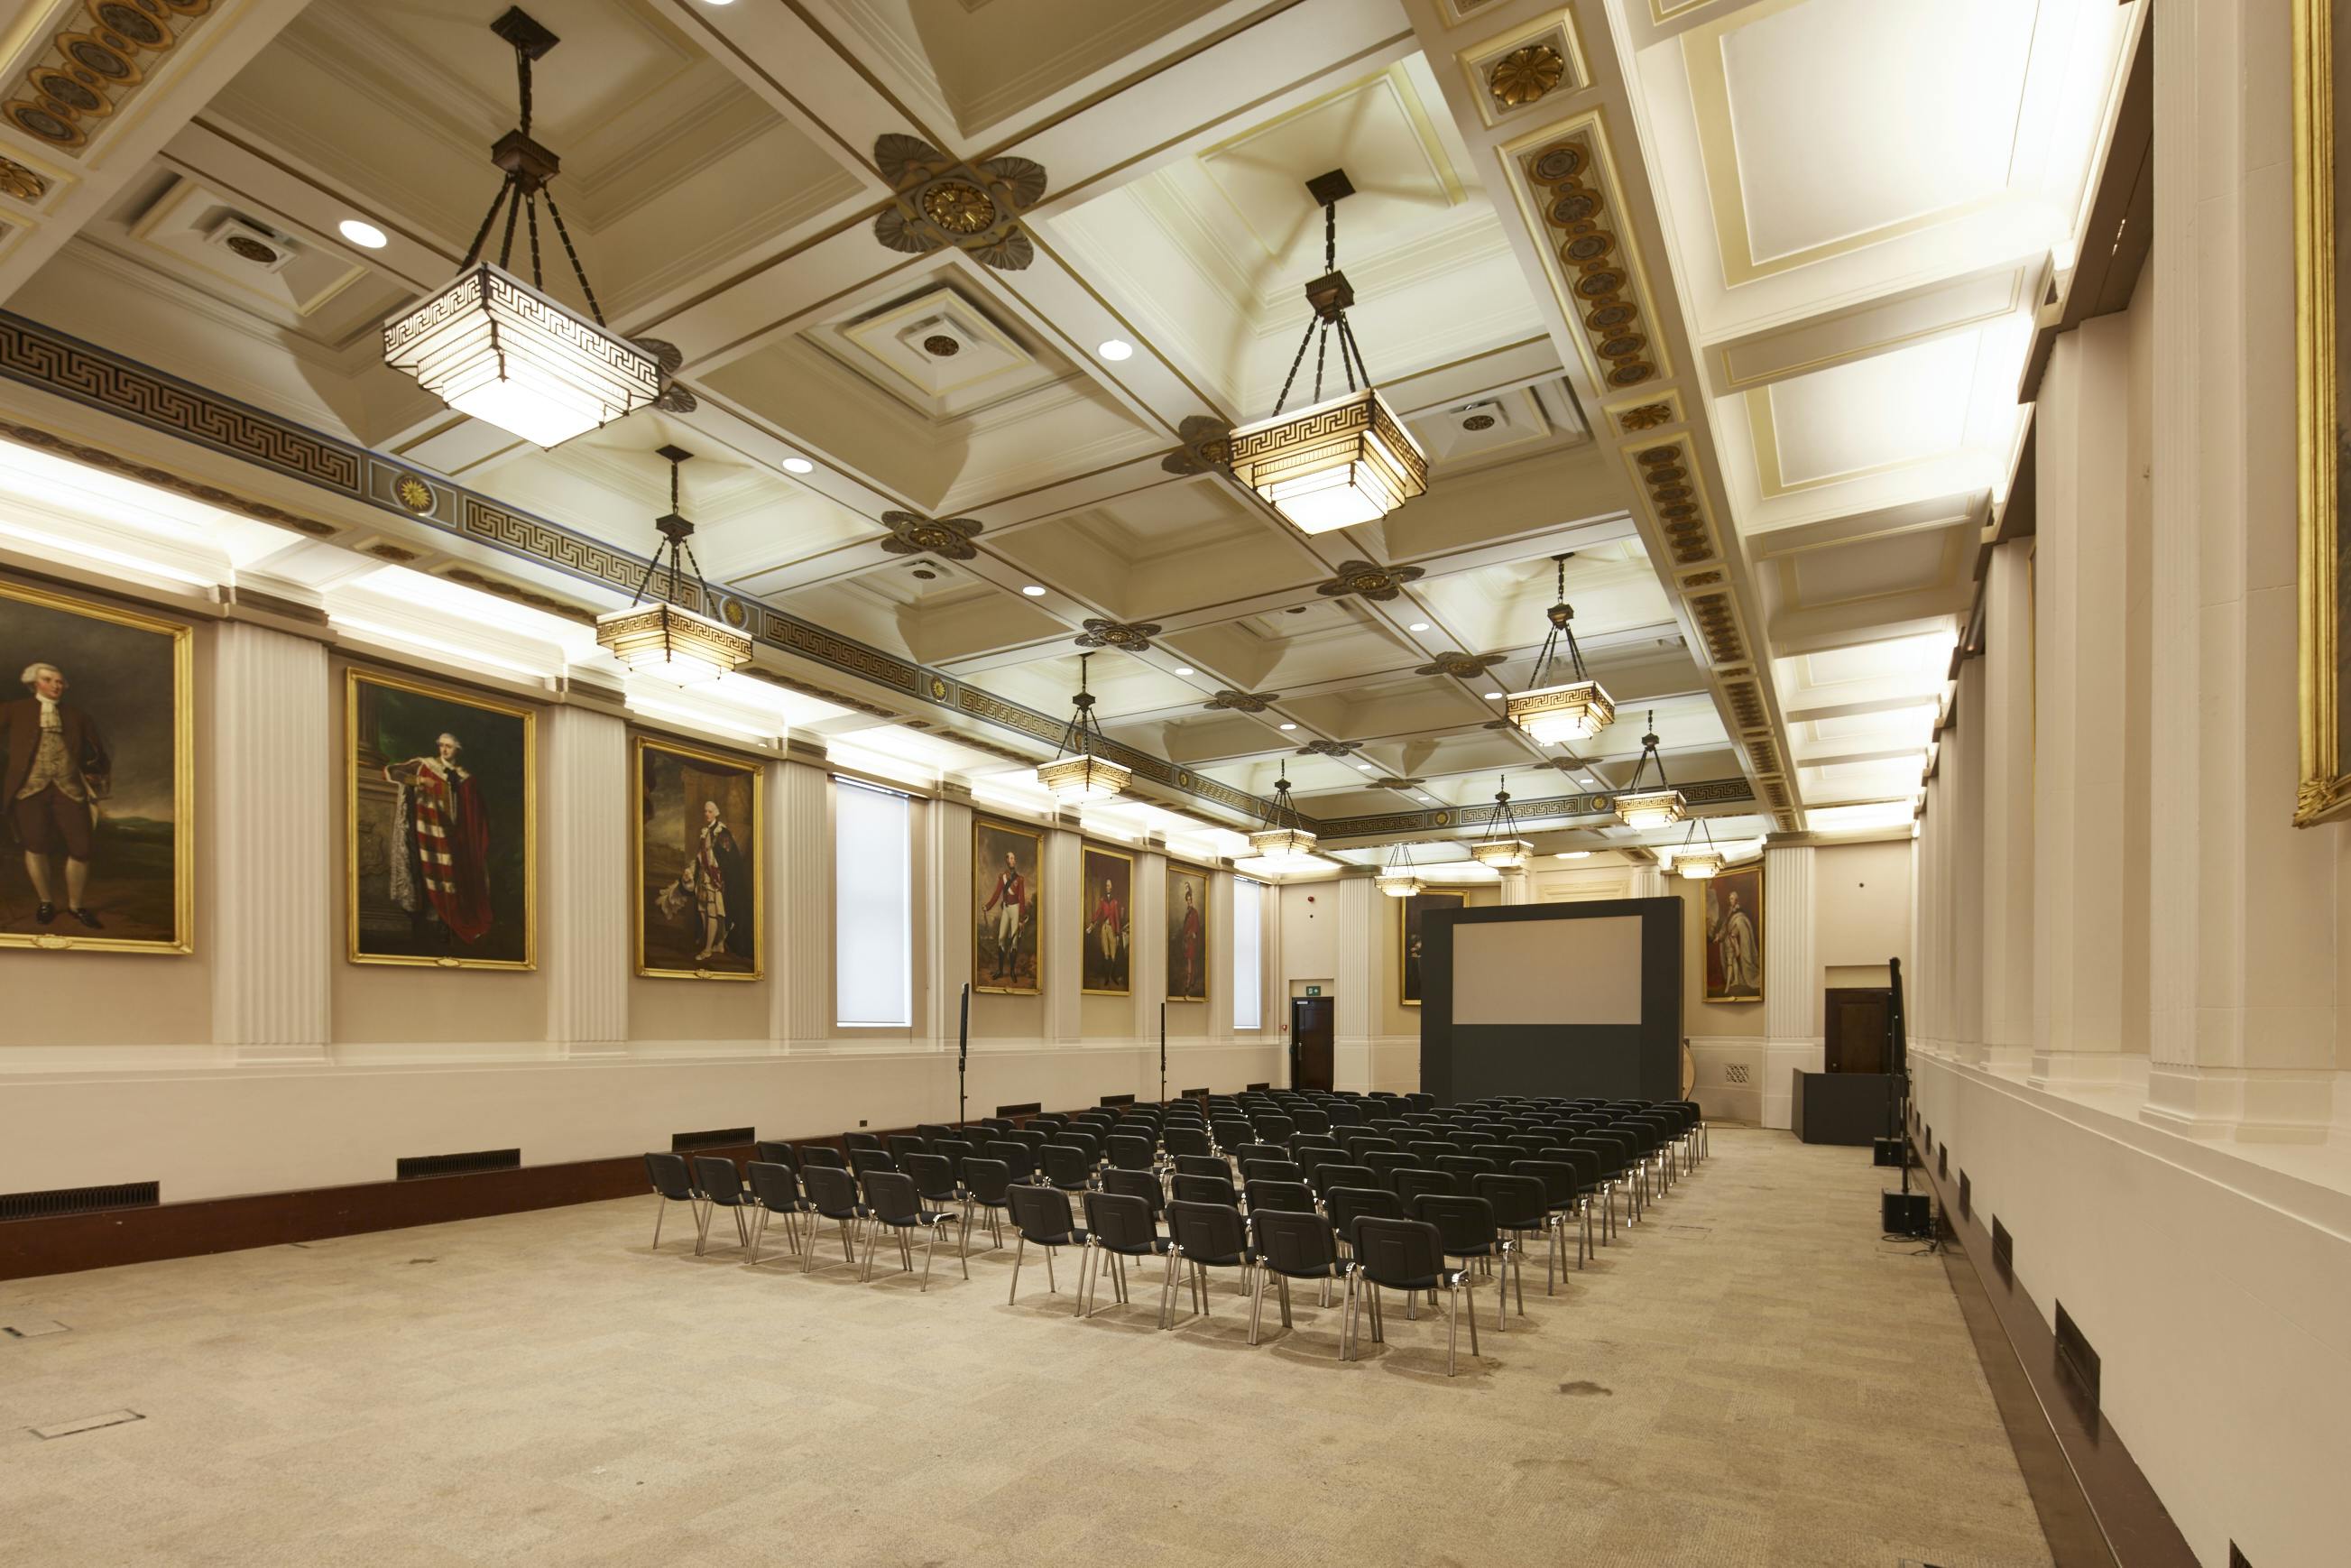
[[1902, 1213]]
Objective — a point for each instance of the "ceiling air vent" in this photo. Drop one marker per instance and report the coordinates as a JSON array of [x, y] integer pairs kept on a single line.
[[68, 1200], [251, 244], [715, 1138], [416, 1167]]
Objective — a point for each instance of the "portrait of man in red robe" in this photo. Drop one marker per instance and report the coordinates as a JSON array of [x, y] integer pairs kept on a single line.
[[441, 870]]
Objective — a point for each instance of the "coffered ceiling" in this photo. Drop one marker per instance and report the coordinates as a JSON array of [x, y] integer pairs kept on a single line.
[[1724, 302]]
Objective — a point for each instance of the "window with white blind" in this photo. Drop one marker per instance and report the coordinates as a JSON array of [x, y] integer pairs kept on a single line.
[[873, 907], [1248, 904]]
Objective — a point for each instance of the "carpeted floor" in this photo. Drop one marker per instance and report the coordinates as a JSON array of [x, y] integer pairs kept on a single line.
[[1752, 1376]]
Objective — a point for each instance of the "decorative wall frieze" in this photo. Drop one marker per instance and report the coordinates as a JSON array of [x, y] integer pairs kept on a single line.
[[1367, 580], [96, 63], [1129, 636], [937, 202], [949, 539], [1595, 803]]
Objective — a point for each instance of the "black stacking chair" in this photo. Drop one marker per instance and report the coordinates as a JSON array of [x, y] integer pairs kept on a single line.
[[673, 1183], [1464, 1169], [998, 1123], [1520, 1207], [1206, 1236], [1614, 1152], [1274, 1127], [1203, 1164], [1205, 1189], [1131, 1151], [901, 1145], [1426, 1152], [1310, 1121], [775, 1190], [1272, 1193], [1245, 1152], [863, 1160], [954, 1151], [1291, 1245], [852, 1142], [1386, 1162], [1084, 1142], [1412, 1182], [776, 1153], [1337, 1173], [935, 1180], [985, 1185], [833, 1194], [719, 1186], [1342, 1114], [1018, 1157], [1144, 1185], [1068, 1167], [1030, 1136], [1255, 1171], [1409, 1255], [1467, 1226], [823, 1155], [1042, 1216], [1564, 1196], [1347, 1205], [1049, 1125], [931, 1132], [1180, 1140], [1119, 1226], [894, 1204], [1232, 1133]]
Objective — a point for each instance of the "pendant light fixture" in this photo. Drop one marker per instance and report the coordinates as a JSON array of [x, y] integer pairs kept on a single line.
[[1553, 710], [501, 349], [1081, 775], [1337, 464], [1698, 860], [1502, 848], [1660, 807], [664, 638], [1283, 843], [1399, 879]]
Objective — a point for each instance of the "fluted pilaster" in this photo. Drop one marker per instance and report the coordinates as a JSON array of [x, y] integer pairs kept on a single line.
[[1791, 983], [584, 921], [799, 882]]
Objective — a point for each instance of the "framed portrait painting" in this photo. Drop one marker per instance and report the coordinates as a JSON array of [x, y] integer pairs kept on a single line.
[[1006, 865], [1106, 895], [1408, 913], [439, 826], [700, 907], [1187, 934], [2322, 32], [100, 782], [1734, 935]]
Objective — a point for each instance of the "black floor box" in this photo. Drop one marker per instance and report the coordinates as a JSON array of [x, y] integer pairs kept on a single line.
[[1905, 1214]]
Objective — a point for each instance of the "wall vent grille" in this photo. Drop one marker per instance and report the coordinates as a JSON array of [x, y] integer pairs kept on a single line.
[[1943, 1162], [1967, 1197], [1196, 1094], [2236, 1558], [1118, 1099], [2003, 1251], [65, 1200], [2076, 1357], [418, 1167], [714, 1138], [1029, 1109]]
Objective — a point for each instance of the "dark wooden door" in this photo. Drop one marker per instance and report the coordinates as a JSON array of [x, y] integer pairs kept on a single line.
[[1309, 1042], [1857, 1028]]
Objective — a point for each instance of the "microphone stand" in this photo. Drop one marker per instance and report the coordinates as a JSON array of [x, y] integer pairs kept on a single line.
[[1163, 1053], [963, 1053]]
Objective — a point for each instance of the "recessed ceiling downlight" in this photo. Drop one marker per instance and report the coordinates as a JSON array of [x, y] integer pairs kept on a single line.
[[359, 233]]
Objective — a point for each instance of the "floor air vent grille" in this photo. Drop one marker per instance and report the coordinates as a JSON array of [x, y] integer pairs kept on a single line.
[[2003, 1251], [416, 1167], [715, 1138], [2076, 1357], [67, 1201], [1967, 1197]]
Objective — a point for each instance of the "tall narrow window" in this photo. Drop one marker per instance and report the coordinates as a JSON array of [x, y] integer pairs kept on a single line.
[[1248, 990], [872, 938]]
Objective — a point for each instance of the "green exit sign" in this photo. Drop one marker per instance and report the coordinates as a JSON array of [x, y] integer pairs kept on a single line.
[[1314, 990]]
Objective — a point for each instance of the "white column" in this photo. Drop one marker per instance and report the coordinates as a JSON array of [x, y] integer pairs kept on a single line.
[[1963, 759], [2082, 485], [1517, 887], [2241, 906], [1060, 973], [276, 841], [584, 930], [942, 904], [1147, 969], [2007, 850], [1648, 880], [799, 900], [1361, 1006], [1791, 978]]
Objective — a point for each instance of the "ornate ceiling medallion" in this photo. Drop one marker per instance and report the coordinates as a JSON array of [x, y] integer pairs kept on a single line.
[[1242, 702], [1325, 749], [939, 202], [21, 182], [1365, 580], [1394, 782], [1646, 416], [1524, 75], [1133, 636], [87, 70], [412, 493], [1460, 666], [1569, 187], [948, 537], [1208, 444], [668, 358]]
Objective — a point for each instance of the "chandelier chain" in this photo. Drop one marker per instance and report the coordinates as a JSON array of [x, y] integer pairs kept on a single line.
[[578, 271]]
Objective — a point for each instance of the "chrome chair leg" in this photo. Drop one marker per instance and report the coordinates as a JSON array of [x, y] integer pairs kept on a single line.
[[1257, 1308], [1018, 1253], [930, 1247], [660, 1214]]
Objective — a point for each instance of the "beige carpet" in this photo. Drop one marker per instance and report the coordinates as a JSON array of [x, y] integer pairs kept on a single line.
[[1751, 1376]]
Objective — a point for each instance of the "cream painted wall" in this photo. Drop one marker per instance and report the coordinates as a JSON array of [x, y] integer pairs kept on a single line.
[[1861, 896]]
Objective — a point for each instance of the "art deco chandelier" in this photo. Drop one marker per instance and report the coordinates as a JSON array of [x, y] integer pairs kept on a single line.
[[1337, 464], [501, 349], [1283, 843], [1399, 879], [1082, 775], [1553, 710], [666, 638], [1502, 848], [1660, 807]]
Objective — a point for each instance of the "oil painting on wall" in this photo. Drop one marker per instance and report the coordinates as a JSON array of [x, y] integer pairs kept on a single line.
[[1107, 889], [98, 792], [1734, 936], [1408, 913], [1187, 934], [699, 908], [439, 826], [2323, 347], [1006, 862]]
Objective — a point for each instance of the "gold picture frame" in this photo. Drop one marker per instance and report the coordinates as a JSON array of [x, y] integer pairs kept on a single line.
[[360, 916], [1109, 959], [1001, 964], [1182, 874], [55, 937], [2323, 790], [1407, 921], [643, 893]]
